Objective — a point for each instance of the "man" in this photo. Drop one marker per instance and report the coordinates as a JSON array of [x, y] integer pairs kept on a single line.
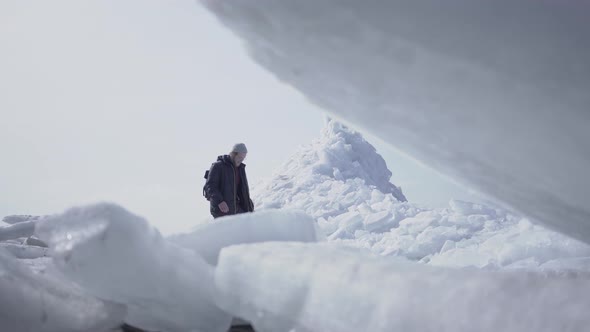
[[227, 185]]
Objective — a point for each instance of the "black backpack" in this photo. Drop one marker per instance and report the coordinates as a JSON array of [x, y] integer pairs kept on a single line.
[[205, 194]]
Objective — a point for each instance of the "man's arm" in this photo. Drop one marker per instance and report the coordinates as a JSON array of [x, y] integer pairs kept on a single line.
[[213, 184]]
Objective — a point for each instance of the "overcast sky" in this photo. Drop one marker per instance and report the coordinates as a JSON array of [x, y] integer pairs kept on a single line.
[[130, 101]]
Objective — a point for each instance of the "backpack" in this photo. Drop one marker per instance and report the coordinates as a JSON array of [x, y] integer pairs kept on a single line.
[[205, 194]]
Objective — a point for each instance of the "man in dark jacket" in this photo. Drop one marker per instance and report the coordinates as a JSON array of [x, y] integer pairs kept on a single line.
[[227, 185]]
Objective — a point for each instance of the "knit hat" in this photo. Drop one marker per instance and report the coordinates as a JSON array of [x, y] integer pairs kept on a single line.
[[240, 148]]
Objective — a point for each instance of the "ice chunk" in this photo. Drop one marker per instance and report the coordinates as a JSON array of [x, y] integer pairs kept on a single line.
[[21, 229], [449, 244], [379, 221], [349, 221], [263, 226], [19, 218], [118, 256], [322, 287], [468, 208], [36, 302], [327, 226], [24, 251], [33, 241]]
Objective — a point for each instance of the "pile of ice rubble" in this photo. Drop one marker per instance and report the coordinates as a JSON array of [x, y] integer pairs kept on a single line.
[[335, 180], [295, 264]]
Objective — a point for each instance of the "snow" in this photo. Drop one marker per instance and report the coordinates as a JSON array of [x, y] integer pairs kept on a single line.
[[321, 287], [492, 93]]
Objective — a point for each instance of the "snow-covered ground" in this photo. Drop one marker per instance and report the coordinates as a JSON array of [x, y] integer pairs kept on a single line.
[[383, 263], [493, 93]]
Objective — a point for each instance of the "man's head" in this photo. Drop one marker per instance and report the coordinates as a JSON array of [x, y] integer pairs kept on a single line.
[[238, 153]]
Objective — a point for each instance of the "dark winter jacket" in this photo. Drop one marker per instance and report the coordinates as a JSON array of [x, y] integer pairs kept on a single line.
[[221, 186]]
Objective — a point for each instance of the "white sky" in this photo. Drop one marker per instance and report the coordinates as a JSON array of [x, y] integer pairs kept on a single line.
[[130, 101]]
